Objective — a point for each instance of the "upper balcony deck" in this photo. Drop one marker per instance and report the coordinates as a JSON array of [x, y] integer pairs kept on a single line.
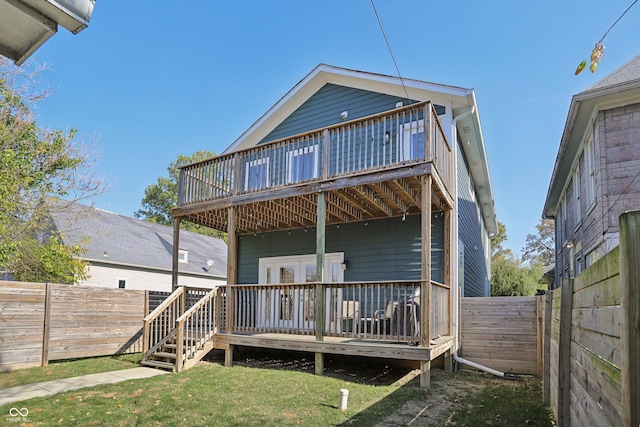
[[371, 167]]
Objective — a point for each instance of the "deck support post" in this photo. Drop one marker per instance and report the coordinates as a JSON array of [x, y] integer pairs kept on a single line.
[[176, 249], [425, 374], [425, 286], [232, 270], [228, 356], [320, 252]]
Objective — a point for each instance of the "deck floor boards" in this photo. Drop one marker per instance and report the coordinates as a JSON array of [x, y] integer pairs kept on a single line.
[[337, 345]]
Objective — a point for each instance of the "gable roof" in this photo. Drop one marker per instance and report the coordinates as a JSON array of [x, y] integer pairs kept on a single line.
[[116, 239], [462, 101], [621, 87]]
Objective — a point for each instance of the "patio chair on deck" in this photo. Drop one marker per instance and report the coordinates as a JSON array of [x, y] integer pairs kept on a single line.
[[350, 315], [382, 319]]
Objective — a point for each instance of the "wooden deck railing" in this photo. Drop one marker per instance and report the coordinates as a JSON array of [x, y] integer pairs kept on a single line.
[[387, 311], [160, 324], [195, 328], [412, 134]]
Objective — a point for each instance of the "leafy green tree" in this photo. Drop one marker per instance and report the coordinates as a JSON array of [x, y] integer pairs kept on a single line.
[[37, 166], [160, 198], [496, 243], [509, 277], [540, 247]]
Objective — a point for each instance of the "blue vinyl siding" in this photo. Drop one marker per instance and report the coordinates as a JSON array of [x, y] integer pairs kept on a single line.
[[324, 108], [470, 231], [385, 249]]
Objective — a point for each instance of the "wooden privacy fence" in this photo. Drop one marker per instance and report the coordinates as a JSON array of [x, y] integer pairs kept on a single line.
[[592, 339], [502, 333], [42, 322]]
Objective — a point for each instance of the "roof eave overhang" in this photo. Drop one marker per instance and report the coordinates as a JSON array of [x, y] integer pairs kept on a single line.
[[324, 74], [583, 107], [475, 153]]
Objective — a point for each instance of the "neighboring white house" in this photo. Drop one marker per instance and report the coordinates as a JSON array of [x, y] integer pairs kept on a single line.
[[130, 253]]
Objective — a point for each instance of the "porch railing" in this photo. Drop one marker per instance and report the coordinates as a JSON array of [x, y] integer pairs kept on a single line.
[[195, 328], [411, 134], [387, 311], [160, 326]]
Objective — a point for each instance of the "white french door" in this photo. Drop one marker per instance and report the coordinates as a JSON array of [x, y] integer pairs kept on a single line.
[[294, 308]]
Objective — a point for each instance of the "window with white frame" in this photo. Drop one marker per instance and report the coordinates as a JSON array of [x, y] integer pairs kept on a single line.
[[413, 140], [590, 172], [302, 164], [256, 176], [576, 196], [183, 256]]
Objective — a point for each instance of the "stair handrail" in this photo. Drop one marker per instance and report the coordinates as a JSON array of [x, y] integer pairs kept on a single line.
[[180, 323], [148, 347]]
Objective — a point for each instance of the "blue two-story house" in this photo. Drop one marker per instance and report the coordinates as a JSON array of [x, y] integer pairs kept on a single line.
[[358, 211]]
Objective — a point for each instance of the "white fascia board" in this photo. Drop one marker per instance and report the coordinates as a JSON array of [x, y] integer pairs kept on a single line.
[[476, 154], [323, 74]]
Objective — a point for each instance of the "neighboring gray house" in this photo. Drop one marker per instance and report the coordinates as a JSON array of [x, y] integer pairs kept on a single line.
[[134, 254], [596, 174]]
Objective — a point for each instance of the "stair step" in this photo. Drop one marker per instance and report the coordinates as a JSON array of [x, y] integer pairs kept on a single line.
[[172, 346], [158, 364], [164, 354]]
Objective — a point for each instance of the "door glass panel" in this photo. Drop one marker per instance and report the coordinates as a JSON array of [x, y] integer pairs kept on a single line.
[[287, 275], [309, 294], [310, 273]]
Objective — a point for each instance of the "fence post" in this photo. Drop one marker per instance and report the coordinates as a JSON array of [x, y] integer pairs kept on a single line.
[[46, 326], [564, 354], [546, 349], [630, 318]]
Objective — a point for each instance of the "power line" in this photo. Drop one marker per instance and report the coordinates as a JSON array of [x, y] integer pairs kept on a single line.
[[390, 50], [619, 18]]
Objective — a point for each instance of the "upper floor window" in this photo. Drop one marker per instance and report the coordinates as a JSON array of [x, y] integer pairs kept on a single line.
[[576, 196], [590, 172], [302, 164], [256, 176], [413, 140]]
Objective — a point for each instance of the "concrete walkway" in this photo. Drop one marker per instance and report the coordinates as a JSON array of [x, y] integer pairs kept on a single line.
[[28, 391]]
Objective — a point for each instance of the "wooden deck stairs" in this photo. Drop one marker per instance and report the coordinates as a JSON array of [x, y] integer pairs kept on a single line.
[[176, 337]]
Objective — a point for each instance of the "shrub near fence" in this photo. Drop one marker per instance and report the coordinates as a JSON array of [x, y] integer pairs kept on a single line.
[[43, 322]]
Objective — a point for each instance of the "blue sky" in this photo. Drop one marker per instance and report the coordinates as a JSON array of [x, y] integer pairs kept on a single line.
[[149, 80]]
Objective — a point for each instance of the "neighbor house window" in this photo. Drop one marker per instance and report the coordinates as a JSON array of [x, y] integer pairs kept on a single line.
[[576, 196], [302, 164], [122, 283], [413, 140], [183, 256], [256, 174], [590, 171]]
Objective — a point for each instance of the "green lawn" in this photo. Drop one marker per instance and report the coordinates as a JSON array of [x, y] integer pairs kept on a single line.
[[211, 395], [68, 369]]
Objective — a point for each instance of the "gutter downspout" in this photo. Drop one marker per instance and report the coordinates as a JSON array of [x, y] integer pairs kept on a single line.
[[458, 298]]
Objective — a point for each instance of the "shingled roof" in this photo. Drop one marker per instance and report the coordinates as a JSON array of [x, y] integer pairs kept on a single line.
[[628, 72], [116, 239]]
